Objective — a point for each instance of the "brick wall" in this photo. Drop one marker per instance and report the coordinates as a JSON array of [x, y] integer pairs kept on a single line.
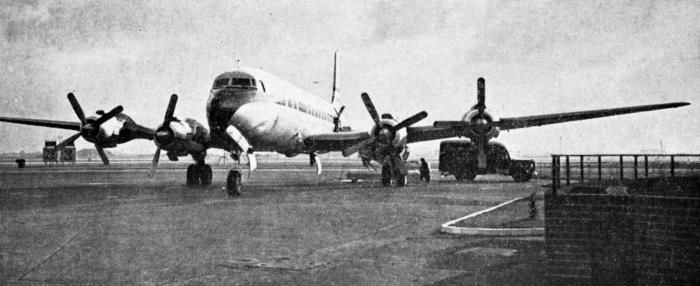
[[598, 239]]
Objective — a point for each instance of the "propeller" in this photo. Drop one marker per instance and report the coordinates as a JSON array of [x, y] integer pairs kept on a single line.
[[90, 127], [481, 130], [384, 133], [163, 135], [336, 119]]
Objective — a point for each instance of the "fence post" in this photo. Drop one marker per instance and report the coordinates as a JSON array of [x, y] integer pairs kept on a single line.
[[600, 170], [646, 167], [581, 168], [622, 169], [635, 167], [554, 175], [567, 171], [672, 167]]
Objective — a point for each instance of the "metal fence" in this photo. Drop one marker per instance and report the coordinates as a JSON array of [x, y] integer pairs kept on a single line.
[[614, 168]]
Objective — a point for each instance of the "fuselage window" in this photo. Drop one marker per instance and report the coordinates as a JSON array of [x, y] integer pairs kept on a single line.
[[220, 82]]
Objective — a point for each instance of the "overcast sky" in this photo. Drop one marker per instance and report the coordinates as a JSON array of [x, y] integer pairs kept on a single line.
[[537, 57]]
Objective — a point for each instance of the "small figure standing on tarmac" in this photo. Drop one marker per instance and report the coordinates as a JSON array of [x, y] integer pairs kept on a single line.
[[424, 170]]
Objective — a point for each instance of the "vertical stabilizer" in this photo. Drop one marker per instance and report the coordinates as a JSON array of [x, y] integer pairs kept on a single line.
[[334, 95]]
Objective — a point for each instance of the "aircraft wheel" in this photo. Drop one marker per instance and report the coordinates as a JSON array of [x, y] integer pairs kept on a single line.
[[466, 175], [401, 179], [386, 175], [233, 183], [192, 175], [521, 176], [205, 175]]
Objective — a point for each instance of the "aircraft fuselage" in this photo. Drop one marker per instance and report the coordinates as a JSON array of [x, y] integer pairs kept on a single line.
[[271, 113]]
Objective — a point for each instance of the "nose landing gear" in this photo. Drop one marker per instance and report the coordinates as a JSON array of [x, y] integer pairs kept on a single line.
[[199, 174]]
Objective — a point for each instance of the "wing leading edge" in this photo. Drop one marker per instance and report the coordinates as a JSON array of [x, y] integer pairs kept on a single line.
[[44, 123], [539, 120], [336, 141]]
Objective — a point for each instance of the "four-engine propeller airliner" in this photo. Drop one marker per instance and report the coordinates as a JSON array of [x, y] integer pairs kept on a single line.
[[250, 110]]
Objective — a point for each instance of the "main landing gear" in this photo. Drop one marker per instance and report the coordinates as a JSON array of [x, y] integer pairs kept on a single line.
[[199, 174], [388, 171]]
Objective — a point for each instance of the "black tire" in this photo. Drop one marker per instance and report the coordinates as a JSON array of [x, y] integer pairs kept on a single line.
[[233, 183], [205, 175], [521, 176], [386, 175], [401, 179], [465, 175], [192, 175]]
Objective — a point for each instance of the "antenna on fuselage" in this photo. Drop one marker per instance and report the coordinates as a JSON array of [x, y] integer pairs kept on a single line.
[[238, 64]]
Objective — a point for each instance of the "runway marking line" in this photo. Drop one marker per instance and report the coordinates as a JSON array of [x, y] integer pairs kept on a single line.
[[61, 247], [448, 228]]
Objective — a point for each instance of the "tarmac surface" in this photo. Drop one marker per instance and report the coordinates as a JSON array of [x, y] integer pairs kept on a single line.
[[114, 225]]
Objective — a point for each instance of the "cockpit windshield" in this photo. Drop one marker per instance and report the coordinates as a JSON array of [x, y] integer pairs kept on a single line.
[[236, 82], [243, 82], [219, 83]]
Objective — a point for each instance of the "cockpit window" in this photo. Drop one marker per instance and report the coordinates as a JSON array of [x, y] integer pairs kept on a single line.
[[220, 82], [241, 82]]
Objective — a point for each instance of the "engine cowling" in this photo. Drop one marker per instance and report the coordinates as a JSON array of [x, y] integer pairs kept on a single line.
[[482, 123], [182, 137]]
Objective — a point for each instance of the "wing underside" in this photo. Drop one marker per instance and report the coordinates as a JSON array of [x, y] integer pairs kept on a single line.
[[539, 120], [336, 141], [43, 123]]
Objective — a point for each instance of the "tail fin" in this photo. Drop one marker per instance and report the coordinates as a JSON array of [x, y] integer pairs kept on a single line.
[[334, 95]]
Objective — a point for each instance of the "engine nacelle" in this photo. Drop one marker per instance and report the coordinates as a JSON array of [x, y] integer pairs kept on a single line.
[[482, 119], [182, 137]]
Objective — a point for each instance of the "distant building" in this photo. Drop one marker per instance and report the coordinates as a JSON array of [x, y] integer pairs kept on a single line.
[[50, 154], [68, 154]]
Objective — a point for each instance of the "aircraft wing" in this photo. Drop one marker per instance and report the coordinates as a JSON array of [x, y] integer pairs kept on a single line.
[[44, 123], [539, 120], [336, 141], [427, 133]]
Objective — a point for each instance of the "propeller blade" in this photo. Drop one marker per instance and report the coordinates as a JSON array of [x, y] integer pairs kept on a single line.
[[339, 112], [481, 157], [154, 163], [68, 140], [354, 148], [410, 121], [171, 109], [76, 107], [370, 108], [109, 115], [481, 94], [400, 164], [252, 163], [103, 156], [368, 164]]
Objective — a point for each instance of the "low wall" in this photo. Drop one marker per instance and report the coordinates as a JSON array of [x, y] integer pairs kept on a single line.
[[601, 239]]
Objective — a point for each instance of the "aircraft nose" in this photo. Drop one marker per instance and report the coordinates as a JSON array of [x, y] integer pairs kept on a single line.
[[231, 99]]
